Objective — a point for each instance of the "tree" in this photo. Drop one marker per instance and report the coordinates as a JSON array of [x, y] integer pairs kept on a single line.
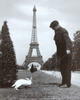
[[47, 65], [8, 60], [0, 60], [51, 63], [55, 62], [76, 50]]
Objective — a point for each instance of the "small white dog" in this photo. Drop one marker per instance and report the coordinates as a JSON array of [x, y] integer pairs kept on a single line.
[[22, 82]]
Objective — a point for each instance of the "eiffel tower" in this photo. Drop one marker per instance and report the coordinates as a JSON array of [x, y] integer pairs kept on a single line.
[[33, 46]]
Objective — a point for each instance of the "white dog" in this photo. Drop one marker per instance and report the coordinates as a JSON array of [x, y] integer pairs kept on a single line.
[[22, 82]]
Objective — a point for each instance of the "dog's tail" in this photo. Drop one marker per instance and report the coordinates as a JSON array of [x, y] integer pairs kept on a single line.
[[13, 85]]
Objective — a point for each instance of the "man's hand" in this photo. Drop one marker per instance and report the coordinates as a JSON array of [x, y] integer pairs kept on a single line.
[[68, 51]]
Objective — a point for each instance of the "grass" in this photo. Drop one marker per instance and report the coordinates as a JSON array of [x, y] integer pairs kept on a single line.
[[34, 91], [44, 87]]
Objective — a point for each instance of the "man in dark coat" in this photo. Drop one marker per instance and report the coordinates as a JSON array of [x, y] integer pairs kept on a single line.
[[64, 52]]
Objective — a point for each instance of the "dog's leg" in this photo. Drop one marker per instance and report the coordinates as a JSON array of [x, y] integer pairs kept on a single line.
[[16, 87]]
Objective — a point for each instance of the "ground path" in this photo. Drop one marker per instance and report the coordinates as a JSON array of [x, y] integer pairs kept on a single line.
[[44, 87]]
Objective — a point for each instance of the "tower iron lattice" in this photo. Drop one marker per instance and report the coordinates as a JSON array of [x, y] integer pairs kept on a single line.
[[33, 45]]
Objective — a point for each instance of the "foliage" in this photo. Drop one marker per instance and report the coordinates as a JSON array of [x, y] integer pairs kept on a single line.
[[76, 51], [8, 67], [47, 65], [51, 63]]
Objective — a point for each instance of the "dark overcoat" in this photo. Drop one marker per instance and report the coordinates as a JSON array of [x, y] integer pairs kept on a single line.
[[63, 42]]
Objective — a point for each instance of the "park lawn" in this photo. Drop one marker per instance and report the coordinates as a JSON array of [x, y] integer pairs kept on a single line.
[[44, 87]]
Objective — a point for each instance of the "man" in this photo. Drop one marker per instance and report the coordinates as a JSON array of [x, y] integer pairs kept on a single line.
[[64, 50]]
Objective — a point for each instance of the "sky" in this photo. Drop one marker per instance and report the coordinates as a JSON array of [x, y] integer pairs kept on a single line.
[[19, 17]]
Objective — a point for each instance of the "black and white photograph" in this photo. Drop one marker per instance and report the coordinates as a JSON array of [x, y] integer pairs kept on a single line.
[[39, 50]]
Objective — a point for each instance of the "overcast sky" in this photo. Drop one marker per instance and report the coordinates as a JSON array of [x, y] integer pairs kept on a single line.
[[19, 15]]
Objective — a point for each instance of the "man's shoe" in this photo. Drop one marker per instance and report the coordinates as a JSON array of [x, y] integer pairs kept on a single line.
[[61, 84], [68, 85], [65, 86]]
